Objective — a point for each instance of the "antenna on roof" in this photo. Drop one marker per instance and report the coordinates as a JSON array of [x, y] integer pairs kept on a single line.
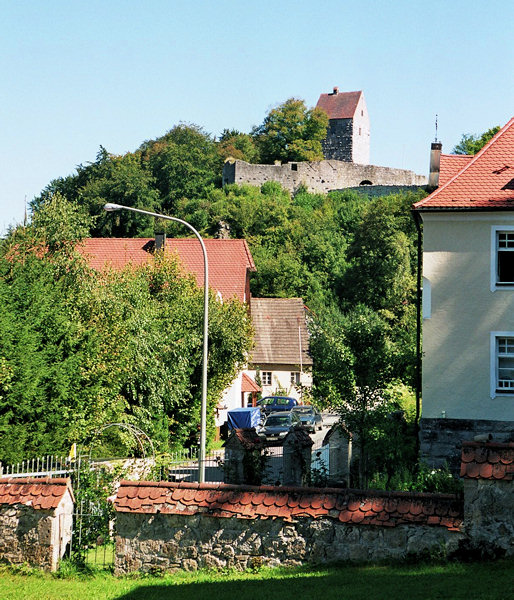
[[436, 128]]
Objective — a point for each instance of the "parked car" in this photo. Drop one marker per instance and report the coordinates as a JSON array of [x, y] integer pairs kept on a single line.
[[271, 404], [277, 425], [310, 417]]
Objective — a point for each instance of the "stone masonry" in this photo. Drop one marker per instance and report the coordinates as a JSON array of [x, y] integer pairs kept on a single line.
[[36, 517], [441, 439], [320, 177], [168, 526]]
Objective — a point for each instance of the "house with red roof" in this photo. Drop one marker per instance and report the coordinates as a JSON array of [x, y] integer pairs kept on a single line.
[[348, 126], [230, 261], [468, 300]]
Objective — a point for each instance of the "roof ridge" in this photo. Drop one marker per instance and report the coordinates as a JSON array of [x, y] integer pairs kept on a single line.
[[467, 166]]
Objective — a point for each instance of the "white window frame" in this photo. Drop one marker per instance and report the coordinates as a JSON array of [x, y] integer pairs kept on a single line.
[[296, 378], [267, 377], [495, 230], [495, 389]]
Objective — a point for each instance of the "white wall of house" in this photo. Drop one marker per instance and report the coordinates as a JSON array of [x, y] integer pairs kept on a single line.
[[281, 379], [231, 399], [466, 312], [361, 133]]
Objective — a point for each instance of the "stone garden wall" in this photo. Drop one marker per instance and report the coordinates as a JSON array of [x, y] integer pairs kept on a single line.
[[36, 517], [168, 526]]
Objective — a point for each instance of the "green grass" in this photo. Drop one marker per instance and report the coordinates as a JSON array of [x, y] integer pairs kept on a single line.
[[453, 581]]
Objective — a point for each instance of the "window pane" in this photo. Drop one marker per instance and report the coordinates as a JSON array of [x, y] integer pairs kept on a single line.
[[505, 266]]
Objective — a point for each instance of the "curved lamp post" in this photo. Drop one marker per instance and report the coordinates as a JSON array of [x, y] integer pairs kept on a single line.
[[203, 414]]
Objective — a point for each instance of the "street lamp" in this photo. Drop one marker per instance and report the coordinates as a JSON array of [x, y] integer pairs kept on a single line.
[[203, 414]]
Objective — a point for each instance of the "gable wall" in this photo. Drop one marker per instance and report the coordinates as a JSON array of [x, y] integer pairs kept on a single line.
[[456, 338], [456, 393]]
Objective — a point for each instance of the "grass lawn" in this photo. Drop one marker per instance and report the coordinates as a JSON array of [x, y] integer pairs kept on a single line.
[[477, 581]]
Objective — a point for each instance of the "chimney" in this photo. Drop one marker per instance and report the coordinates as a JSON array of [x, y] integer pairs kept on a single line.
[[435, 164], [160, 241], [336, 91]]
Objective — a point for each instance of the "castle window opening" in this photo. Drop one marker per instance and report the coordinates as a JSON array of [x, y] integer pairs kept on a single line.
[[294, 167], [365, 182]]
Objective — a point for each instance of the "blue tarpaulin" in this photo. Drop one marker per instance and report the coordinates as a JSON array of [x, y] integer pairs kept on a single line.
[[243, 418]]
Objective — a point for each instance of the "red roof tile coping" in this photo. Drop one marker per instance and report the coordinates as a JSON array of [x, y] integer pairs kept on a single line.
[[229, 260], [268, 502], [490, 460], [42, 494], [486, 182]]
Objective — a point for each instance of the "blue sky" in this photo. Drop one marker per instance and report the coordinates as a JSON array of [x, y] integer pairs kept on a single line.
[[77, 75]]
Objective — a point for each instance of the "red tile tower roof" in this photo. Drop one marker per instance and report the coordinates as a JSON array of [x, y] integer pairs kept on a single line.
[[387, 509], [229, 260], [486, 182], [487, 461], [42, 494], [339, 105]]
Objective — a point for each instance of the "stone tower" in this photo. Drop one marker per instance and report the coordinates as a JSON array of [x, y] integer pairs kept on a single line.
[[348, 126]]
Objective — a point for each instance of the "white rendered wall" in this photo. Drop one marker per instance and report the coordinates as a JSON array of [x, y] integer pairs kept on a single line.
[[463, 313], [361, 134]]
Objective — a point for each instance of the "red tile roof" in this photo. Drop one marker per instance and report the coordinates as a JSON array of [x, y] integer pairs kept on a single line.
[[485, 183], [487, 461], [42, 494], [229, 260], [340, 105], [248, 384], [450, 165], [348, 506]]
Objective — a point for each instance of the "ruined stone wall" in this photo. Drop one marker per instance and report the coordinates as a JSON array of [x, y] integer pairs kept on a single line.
[[441, 439], [170, 542], [321, 177]]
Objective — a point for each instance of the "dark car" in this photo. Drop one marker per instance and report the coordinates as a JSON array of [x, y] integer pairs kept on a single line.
[[277, 425], [271, 404], [310, 417]]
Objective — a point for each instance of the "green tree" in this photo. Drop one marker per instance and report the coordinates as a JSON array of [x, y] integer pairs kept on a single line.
[[291, 132], [472, 143], [184, 162], [117, 179], [80, 348], [351, 368], [241, 146]]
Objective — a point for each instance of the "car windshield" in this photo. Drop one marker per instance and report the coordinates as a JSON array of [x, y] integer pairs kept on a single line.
[[277, 421], [266, 401]]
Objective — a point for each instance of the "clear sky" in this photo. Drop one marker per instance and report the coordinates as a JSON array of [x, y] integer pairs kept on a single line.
[[79, 74]]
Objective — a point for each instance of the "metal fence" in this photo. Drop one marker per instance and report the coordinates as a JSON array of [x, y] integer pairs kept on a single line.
[[42, 466]]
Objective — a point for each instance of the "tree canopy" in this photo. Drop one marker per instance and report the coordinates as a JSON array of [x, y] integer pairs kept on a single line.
[[291, 132], [472, 143], [80, 348]]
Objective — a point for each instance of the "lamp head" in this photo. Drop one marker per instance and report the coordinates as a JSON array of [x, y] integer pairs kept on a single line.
[[109, 207]]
